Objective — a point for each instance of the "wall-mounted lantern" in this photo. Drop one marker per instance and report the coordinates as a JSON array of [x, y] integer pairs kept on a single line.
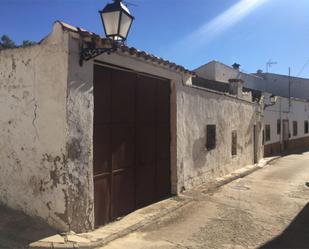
[[273, 100], [117, 21]]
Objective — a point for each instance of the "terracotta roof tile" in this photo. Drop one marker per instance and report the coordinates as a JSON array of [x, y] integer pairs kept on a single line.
[[130, 50]]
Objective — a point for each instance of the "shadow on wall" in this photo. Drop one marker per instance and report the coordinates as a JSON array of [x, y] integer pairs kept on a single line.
[[296, 235], [18, 230], [199, 152]]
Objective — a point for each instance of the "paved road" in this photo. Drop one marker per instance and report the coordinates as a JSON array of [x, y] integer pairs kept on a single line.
[[268, 209]]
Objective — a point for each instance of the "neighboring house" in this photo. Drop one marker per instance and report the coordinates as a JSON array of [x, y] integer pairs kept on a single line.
[[280, 85], [285, 86], [286, 125], [282, 119], [219, 72], [83, 145]]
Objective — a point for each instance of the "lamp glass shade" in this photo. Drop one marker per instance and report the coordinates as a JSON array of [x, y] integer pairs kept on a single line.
[[125, 24], [117, 20], [111, 22]]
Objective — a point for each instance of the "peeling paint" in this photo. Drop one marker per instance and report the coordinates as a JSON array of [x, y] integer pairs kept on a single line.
[[33, 155], [74, 149]]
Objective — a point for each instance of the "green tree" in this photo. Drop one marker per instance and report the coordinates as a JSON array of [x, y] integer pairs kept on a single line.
[[6, 42], [27, 43]]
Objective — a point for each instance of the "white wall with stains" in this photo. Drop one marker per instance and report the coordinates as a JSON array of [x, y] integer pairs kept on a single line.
[[46, 128], [197, 108], [33, 129], [293, 110]]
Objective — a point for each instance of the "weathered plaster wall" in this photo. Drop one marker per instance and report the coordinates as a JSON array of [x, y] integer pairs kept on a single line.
[[33, 158], [282, 110], [80, 136], [197, 108]]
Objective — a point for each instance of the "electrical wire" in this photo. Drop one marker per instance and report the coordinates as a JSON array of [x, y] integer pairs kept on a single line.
[[303, 68]]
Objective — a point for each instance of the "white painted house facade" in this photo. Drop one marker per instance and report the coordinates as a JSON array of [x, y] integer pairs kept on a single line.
[[286, 121], [286, 125], [83, 145]]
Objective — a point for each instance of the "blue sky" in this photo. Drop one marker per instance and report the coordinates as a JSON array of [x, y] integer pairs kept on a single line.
[[188, 32]]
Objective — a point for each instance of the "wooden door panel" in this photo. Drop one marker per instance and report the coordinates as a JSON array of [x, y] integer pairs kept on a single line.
[[123, 97], [163, 142], [102, 95], [102, 157], [145, 101], [163, 103], [163, 179], [145, 185], [145, 145], [131, 142], [123, 146], [145, 164], [123, 201], [102, 200]]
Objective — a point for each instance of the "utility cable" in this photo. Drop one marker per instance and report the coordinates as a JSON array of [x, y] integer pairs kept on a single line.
[[303, 68]]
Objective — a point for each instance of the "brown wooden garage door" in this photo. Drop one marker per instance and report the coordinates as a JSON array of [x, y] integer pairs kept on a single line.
[[131, 142]]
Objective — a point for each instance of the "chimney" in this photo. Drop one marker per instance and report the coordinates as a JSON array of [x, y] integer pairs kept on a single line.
[[236, 87], [236, 66]]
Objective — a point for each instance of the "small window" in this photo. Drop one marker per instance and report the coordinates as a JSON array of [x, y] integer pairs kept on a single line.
[[267, 133], [234, 143], [278, 127], [306, 127], [294, 128], [211, 137]]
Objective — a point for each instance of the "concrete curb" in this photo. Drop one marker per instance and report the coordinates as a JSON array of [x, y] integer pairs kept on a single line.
[[182, 201], [240, 174], [113, 236]]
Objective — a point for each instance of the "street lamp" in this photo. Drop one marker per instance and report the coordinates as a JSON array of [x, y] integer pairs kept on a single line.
[[273, 100], [117, 21]]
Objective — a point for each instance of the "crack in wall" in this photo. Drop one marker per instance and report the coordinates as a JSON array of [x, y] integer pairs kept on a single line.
[[35, 117], [35, 104]]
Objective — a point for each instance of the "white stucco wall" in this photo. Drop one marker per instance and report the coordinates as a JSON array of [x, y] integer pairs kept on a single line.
[[47, 129], [298, 111], [207, 71], [218, 71], [33, 129], [197, 108], [265, 82]]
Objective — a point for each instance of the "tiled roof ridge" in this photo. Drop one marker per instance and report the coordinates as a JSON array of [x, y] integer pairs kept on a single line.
[[130, 50]]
